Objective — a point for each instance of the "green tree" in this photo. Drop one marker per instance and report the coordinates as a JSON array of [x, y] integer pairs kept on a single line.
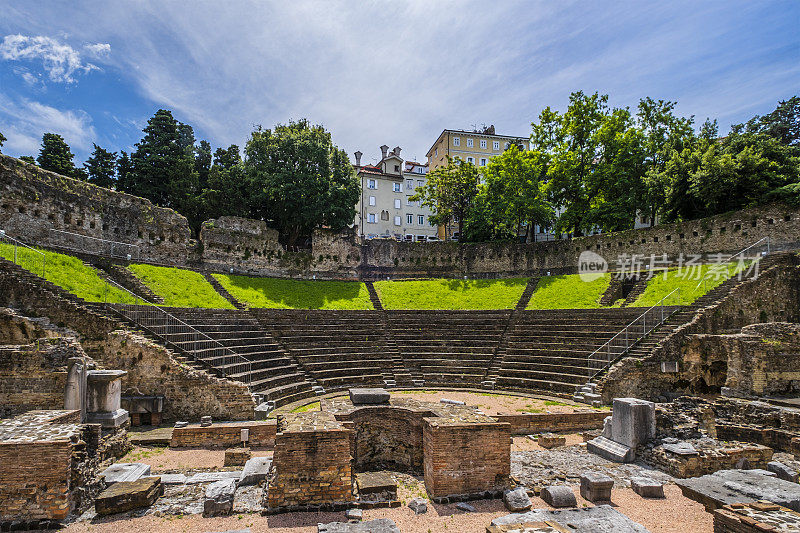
[[124, 172], [299, 180], [227, 190], [56, 156], [27, 159], [202, 163], [514, 191], [163, 166], [450, 192], [101, 167], [574, 153], [2, 140]]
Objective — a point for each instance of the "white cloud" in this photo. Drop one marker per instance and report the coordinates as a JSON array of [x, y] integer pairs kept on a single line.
[[24, 122], [59, 60]]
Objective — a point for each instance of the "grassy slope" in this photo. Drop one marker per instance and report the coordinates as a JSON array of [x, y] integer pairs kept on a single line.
[[687, 281], [568, 292], [276, 293], [180, 288], [69, 273], [451, 293]]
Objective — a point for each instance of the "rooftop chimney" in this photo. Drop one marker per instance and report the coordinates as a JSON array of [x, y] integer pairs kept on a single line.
[[384, 149], [396, 151], [358, 158]]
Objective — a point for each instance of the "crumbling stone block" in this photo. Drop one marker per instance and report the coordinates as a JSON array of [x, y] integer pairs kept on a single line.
[[219, 498], [597, 519], [517, 500], [551, 440], [418, 505], [559, 496], [125, 472], [128, 495], [255, 471], [365, 396], [647, 488], [782, 471], [596, 487], [236, 456]]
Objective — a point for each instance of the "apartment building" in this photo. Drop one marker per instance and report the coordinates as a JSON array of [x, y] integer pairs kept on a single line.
[[385, 208], [476, 147]]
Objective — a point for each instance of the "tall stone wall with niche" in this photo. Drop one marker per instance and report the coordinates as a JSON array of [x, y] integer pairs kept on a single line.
[[35, 202]]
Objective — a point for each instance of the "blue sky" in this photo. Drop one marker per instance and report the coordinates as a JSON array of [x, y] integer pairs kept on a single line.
[[375, 73]]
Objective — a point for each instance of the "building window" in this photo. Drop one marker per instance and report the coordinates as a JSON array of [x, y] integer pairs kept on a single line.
[[371, 200], [409, 185], [372, 184], [483, 143], [409, 219], [456, 141], [408, 201], [437, 152], [483, 161], [419, 170], [496, 145], [397, 203], [420, 183], [385, 215], [371, 218], [397, 221], [397, 187], [470, 160], [421, 219], [469, 143], [397, 168]]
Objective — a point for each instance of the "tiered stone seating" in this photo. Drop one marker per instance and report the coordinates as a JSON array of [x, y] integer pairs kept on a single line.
[[271, 370], [339, 349], [548, 350], [448, 348]]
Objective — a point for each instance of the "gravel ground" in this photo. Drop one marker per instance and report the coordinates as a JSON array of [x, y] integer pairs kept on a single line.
[[674, 514], [494, 403], [524, 444], [162, 459]]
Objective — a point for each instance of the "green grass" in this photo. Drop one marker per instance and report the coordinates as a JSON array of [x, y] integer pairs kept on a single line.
[[451, 293], [686, 280], [69, 273], [568, 292], [276, 293], [303, 408], [179, 287]]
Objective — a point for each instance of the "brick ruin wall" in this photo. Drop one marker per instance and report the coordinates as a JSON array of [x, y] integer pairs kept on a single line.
[[36, 202], [772, 297], [188, 393], [466, 458], [225, 435]]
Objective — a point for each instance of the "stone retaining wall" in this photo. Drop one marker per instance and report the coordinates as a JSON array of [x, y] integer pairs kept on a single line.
[[224, 435], [526, 424], [188, 393], [36, 202]]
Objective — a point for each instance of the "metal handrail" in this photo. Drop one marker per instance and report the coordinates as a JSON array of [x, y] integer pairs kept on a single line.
[[112, 243], [17, 242], [628, 343], [195, 333]]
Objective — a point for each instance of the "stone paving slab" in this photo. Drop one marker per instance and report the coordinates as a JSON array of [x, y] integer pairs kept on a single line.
[[529, 527], [211, 477], [599, 519], [370, 482], [128, 495], [727, 487], [125, 472], [382, 525]]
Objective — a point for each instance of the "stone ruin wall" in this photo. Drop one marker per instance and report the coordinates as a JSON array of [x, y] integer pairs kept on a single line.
[[188, 393], [34, 201], [772, 297]]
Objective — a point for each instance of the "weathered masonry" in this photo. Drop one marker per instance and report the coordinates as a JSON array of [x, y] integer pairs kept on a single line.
[[52, 210], [460, 451]]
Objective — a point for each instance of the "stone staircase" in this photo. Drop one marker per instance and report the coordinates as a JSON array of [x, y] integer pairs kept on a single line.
[[124, 277], [637, 290], [269, 370], [373, 296], [339, 349], [489, 380], [548, 350], [448, 348], [223, 291]]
